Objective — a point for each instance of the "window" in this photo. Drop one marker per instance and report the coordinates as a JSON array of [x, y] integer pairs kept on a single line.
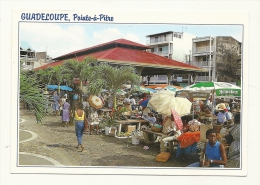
[[164, 37], [156, 39]]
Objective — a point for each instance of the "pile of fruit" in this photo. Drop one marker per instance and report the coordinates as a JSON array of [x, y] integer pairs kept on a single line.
[[124, 134]]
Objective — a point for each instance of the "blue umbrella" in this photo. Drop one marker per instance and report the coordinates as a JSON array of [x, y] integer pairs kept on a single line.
[[65, 88], [62, 87], [52, 87], [171, 88], [144, 102], [151, 90]]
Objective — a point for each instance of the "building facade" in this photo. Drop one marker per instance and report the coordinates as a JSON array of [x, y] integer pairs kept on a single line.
[[29, 59], [173, 45], [221, 55]]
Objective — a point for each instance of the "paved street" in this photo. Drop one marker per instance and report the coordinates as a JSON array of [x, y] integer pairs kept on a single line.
[[52, 144]]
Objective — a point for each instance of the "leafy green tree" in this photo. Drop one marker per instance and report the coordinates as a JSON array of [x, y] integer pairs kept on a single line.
[[112, 78]]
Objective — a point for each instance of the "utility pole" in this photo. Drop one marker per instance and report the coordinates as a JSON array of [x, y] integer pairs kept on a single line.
[[209, 59]]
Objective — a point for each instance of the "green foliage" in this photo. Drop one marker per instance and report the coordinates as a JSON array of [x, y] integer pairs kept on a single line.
[[30, 93], [110, 120], [112, 78]]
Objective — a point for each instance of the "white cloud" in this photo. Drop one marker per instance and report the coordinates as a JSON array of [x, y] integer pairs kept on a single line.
[[132, 37], [111, 34], [54, 38], [107, 35]]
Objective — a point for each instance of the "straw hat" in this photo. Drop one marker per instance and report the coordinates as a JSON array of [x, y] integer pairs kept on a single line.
[[221, 106]]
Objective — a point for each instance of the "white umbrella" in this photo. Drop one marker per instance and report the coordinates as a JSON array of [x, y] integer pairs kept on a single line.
[[163, 101]]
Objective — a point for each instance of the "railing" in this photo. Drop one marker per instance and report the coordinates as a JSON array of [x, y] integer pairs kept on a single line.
[[203, 49], [153, 41], [162, 53], [202, 64], [202, 78]]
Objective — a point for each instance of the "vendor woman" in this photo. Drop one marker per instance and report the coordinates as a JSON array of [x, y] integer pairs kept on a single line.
[[214, 154]]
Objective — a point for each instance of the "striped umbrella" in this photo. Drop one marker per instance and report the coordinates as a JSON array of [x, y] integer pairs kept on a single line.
[[163, 101]]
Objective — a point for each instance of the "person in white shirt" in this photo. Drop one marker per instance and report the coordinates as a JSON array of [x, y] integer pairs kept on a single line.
[[132, 102], [223, 115]]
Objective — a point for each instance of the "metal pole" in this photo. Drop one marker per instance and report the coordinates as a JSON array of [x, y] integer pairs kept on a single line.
[[209, 58]]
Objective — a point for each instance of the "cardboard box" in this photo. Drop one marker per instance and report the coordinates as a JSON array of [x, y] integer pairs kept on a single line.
[[130, 128]]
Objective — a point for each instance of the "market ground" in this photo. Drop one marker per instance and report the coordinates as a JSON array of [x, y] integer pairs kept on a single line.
[[53, 144]]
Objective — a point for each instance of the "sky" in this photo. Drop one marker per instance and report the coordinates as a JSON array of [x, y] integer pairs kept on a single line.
[[61, 38]]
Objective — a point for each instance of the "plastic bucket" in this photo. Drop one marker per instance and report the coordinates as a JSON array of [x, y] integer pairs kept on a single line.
[[107, 129], [135, 141]]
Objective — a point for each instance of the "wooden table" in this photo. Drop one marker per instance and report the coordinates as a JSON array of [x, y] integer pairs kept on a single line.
[[106, 111], [129, 122]]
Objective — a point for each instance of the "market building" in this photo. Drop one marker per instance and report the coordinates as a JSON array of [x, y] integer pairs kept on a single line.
[[125, 52], [221, 55]]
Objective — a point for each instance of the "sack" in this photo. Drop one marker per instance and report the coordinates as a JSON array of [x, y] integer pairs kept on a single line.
[[163, 157]]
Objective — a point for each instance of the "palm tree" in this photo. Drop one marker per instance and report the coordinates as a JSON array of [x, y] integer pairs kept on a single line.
[[81, 70], [31, 94], [112, 78], [50, 75]]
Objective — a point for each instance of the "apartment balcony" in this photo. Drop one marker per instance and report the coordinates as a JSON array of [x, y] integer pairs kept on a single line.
[[25, 58], [162, 53], [200, 51], [202, 64], [157, 41]]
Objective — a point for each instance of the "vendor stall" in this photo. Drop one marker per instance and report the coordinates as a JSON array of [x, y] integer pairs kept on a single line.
[[130, 122]]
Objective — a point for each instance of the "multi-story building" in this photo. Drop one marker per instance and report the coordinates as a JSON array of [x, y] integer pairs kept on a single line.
[[221, 55], [29, 59], [174, 45]]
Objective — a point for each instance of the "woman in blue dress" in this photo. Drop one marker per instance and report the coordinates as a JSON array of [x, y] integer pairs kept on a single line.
[[214, 154]]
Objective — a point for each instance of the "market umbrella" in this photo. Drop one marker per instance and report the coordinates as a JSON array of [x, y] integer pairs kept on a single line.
[[120, 91], [177, 119], [62, 87], [170, 88], [150, 90], [163, 101], [65, 88], [52, 87], [95, 102], [221, 89], [141, 89]]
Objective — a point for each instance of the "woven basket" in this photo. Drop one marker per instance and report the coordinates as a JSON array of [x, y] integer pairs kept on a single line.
[[156, 129]]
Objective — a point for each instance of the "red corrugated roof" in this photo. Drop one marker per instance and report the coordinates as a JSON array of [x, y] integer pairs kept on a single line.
[[130, 56], [114, 42]]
